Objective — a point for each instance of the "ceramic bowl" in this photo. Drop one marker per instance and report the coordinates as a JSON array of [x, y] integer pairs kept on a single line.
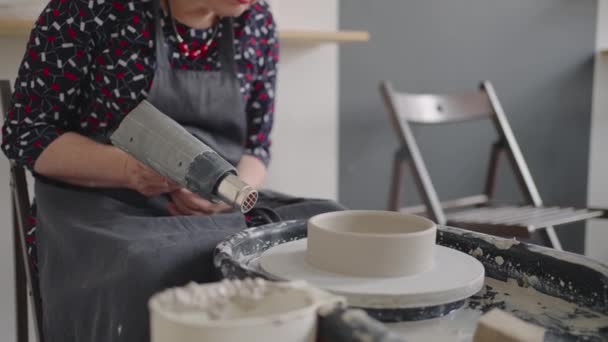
[[371, 243]]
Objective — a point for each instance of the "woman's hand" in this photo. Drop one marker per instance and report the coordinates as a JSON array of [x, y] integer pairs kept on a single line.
[[252, 171], [186, 203], [144, 180]]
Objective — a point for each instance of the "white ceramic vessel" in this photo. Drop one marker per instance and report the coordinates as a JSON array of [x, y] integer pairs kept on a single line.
[[236, 311]]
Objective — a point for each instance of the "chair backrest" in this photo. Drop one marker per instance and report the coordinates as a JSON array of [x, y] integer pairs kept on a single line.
[[429, 109], [434, 108], [24, 270]]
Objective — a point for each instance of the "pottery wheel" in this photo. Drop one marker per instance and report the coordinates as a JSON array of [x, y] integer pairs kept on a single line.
[[455, 276]]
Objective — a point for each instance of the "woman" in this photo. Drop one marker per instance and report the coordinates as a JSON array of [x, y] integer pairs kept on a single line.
[[111, 232]]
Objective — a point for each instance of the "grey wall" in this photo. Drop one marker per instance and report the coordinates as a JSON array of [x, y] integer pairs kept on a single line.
[[537, 53]]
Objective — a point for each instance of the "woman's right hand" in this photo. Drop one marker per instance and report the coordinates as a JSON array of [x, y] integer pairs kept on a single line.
[[144, 180]]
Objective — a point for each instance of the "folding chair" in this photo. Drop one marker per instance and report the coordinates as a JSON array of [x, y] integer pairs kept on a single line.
[[25, 284], [472, 212]]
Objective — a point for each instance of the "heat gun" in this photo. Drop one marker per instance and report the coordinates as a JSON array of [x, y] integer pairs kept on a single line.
[[164, 145]]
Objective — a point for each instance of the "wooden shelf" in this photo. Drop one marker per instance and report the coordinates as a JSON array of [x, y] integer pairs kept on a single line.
[[604, 52], [297, 36], [10, 27]]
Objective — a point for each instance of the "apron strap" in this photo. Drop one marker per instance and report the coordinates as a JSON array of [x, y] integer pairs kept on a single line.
[[162, 60], [226, 46]]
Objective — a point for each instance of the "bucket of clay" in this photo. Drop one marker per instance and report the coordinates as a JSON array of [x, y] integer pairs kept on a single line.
[[235, 311]]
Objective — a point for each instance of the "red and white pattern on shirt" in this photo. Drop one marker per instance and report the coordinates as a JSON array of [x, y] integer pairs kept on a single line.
[[89, 63]]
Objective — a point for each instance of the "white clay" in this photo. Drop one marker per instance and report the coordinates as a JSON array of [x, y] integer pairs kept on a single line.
[[499, 260], [499, 326], [371, 243], [231, 311]]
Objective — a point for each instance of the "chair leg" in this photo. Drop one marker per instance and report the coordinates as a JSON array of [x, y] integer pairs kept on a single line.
[[21, 296], [394, 202], [493, 169], [522, 172], [553, 238]]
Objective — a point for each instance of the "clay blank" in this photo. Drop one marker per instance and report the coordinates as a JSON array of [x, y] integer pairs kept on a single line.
[[499, 326], [371, 243]]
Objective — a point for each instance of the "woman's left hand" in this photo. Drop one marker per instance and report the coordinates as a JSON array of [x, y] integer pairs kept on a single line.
[[186, 203]]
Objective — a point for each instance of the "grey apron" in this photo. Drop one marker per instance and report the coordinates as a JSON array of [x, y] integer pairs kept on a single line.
[[208, 104], [103, 253]]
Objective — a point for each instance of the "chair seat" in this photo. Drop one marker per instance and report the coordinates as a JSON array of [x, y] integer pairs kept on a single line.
[[516, 221]]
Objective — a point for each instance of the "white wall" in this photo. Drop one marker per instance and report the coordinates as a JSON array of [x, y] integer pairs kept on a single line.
[[304, 138], [597, 230]]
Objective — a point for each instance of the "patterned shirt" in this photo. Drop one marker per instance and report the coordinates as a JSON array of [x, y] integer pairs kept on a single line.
[[89, 63]]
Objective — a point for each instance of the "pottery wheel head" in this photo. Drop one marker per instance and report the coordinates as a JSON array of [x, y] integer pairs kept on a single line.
[[377, 260]]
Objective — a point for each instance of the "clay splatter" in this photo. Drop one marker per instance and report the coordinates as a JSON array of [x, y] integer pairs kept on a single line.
[[499, 260]]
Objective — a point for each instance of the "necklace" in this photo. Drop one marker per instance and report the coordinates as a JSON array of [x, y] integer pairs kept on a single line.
[[183, 46]]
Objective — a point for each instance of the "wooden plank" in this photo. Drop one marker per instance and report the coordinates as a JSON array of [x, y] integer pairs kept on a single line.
[[323, 36], [504, 218], [551, 217], [522, 216], [487, 213], [450, 204], [492, 229], [576, 216], [536, 214], [15, 27], [603, 210], [21, 312], [19, 27]]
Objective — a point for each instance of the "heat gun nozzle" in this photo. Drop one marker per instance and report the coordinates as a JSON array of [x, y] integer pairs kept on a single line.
[[237, 193]]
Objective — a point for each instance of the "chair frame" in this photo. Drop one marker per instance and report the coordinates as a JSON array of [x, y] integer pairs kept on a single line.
[[482, 105], [24, 285]]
